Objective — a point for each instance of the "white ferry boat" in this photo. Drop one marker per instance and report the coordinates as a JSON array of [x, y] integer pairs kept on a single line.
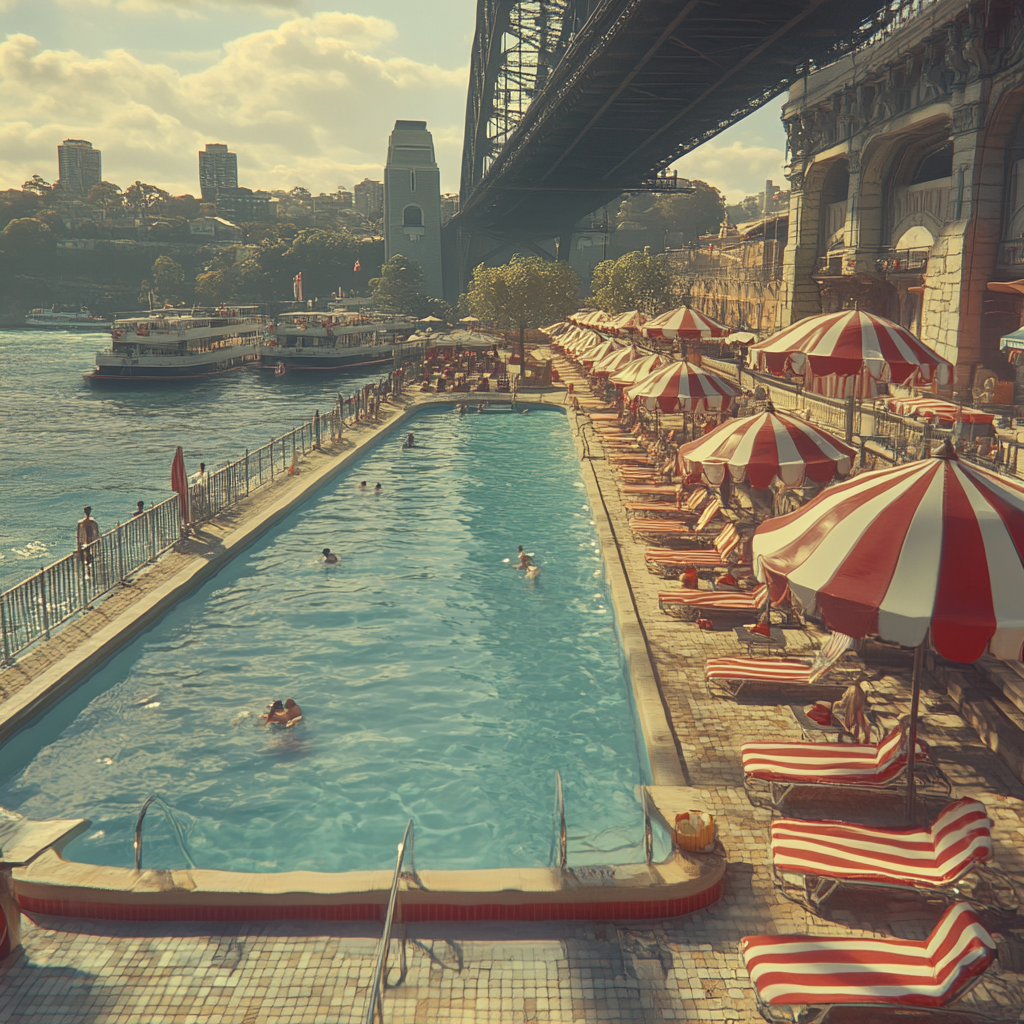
[[75, 319], [330, 342], [176, 345]]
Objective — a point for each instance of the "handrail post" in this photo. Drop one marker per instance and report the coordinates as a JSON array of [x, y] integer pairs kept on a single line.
[[648, 831], [3, 635], [247, 472], [120, 553], [563, 846], [138, 833], [42, 599]]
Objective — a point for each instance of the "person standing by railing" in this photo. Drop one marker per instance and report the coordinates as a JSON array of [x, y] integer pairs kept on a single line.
[[87, 534]]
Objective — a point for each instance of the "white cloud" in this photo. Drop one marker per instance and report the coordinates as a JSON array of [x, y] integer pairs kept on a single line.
[[307, 103], [185, 8], [736, 170]]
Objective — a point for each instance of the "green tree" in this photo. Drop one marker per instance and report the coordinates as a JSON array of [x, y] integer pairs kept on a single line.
[[108, 197], [400, 285], [140, 198], [325, 258], [218, 286], [524, 293], [637, 280], [659, 215], [168, 279]]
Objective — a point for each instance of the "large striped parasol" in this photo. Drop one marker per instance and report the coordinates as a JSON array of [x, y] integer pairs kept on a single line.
[[637, 370], [624, 323], [768, 446], [682, 387], [684, 323], [848, 344], [616, 361], [934, 544]]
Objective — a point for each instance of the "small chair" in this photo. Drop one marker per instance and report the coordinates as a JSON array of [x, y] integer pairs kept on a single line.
[[813, 859], [772, 770], [662, 528], [803, 977]]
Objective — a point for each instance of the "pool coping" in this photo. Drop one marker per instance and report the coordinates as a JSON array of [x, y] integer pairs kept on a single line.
[[681, 884]]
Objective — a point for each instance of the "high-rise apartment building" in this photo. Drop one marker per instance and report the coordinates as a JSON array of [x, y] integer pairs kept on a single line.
[[412, 201], [79, 166], [217, 169], [368, 198]]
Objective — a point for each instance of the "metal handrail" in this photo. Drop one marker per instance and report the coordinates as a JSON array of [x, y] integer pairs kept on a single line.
[[559, 810], [175, 827], [648, 830], [381, 956]]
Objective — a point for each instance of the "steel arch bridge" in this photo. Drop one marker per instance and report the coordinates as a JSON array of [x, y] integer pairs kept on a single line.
[[572, 102]]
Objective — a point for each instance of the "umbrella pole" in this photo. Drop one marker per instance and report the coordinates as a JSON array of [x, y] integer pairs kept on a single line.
[[915, 700]]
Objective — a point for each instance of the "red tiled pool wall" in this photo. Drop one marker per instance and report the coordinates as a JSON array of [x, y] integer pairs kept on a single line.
[[633, 910]]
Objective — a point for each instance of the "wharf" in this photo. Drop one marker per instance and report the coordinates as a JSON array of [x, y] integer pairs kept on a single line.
[[684, 969]]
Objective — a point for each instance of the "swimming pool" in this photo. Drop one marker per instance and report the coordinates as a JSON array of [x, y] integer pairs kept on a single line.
[[437, 683]]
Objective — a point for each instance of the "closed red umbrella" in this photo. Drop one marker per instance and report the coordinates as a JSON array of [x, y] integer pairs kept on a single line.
[[179, 483], [598, 352], [616, 361], [637, 370], [682, 387]]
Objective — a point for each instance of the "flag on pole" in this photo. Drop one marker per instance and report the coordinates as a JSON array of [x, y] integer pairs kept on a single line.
[[179, 483], [355, 269], [297, 286]]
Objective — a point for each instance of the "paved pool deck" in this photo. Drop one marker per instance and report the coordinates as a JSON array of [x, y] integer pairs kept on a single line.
[[685, 969]]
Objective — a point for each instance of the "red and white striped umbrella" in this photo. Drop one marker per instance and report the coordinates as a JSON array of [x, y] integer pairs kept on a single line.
[[598, 352], [616, 361], [683, 323], [625, 323], [848, 344], [579, 340], [682, 387], [765, 447], [936, 409], [637, 370], [934, 544]]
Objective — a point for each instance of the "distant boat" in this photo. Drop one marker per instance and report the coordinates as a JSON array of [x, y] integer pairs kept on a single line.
[[76, 320], [332, 342], [177, 345]]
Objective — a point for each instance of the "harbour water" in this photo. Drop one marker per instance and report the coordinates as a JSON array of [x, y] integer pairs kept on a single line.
[[66, 444]]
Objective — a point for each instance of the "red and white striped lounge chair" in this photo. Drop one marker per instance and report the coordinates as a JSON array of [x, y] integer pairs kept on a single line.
[[699, 604], [662, 528], [812, 859], [688, 508], [803, 977], [772, 770], [668, 490], [732, 677], [718, 556]]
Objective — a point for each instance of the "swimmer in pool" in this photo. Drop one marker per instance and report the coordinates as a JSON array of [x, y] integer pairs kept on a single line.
[[362, 485], [524, 559], [283, 714], [329, 557], [463, 409], [378, 489], [410, 440], [480, 407], [526, 412]]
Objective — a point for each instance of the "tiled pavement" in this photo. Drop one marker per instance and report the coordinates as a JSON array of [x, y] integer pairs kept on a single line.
[[686, 970]]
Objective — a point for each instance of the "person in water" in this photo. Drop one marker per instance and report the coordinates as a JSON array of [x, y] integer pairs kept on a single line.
[[329, 557], [362, 485], [524, 559], [283, 714], [377, 489], [410, 440], [480, 407]]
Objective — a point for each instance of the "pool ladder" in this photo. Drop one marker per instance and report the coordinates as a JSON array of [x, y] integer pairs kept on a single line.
[[169, 815]]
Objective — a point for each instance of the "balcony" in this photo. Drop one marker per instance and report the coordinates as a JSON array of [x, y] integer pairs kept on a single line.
[[1011, 253], [905, 261]]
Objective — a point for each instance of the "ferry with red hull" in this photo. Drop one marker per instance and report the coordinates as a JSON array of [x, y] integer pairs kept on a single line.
[[168, 345], [334, 342]]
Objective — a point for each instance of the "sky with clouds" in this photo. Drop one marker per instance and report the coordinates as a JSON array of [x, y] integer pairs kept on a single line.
[[304, 91]]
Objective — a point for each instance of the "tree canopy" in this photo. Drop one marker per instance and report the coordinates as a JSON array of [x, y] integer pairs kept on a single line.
[[637, 280], [527, 292], [672, 219]]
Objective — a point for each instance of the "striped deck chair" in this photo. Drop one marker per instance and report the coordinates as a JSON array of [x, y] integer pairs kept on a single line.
[[659, 527], [731, 677], [812, 859], [804, 977], [669, 563], [669, 490], [689, 507], [698, 604], [772, 770]]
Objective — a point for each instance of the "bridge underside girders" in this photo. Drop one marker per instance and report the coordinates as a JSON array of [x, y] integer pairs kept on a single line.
[[642, 83]]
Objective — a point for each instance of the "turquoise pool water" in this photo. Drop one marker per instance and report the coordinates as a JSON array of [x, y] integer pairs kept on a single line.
[[437, 683]]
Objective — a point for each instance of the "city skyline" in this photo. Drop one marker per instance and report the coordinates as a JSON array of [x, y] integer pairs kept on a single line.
[[305, 99]]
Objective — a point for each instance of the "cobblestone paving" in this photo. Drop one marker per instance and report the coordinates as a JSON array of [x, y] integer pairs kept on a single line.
[[679, 970]]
